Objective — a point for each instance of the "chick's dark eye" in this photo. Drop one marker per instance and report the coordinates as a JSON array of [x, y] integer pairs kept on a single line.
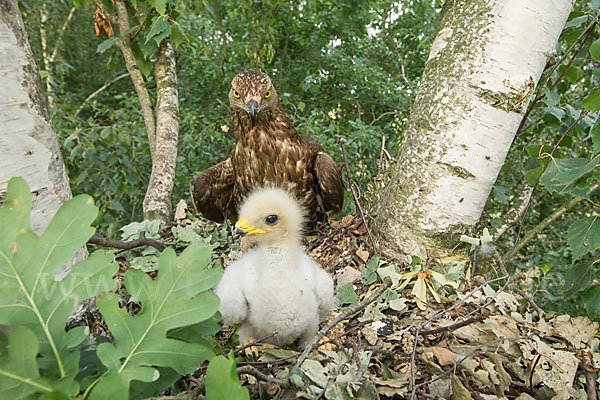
[[271, 219]]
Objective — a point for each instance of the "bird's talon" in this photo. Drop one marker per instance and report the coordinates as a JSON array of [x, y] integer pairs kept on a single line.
[[253, 351], [325, 344]]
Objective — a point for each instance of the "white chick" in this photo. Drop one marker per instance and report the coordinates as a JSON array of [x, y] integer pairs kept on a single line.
[[275, 286]]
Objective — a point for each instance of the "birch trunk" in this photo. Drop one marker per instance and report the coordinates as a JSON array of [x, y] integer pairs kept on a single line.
[[124, 44], [28, 143], [477, 83], [157, 202]]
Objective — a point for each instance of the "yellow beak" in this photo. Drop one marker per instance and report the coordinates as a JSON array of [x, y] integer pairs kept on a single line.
[[242, 227]]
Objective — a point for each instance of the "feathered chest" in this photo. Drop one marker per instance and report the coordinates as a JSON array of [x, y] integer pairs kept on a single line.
[[263, 157]]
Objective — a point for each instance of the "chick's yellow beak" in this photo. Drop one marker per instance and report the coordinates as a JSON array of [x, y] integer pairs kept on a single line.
[[242, 227]]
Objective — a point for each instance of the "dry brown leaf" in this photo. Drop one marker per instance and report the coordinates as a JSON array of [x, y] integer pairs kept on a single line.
[[101, 23], [391, 387], [443, 355], [348, 275], [370, 334], [359, 229], [363, 254]]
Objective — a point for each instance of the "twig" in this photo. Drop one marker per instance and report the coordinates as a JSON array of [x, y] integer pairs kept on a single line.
[[590, 376], [517, 208], [97, 91], [191, 189], [278, 360], [551, 218], [452, 370], [454, 326], [509, 255], [357, 359], [259, 375], [380, 166], [437, 315], [119, 244], [383, 115], [535, 363], [356, 203], [350, 311]]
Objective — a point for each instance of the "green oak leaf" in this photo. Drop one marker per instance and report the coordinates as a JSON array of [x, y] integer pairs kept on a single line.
[[179, 296], [19, 373], [577, 278], [160, 6], [595, 134], [222, 382], [30, 295]]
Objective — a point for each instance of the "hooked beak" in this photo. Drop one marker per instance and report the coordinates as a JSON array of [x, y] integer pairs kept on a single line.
[[252, 110], [242, 228]]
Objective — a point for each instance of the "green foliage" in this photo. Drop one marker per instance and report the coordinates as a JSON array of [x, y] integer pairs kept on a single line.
[[104, 145], [222, 382], [346, 294], [163, 341], [563, 175], [168, 302], [558, 136], [19, 374], [584, 236], [32, 299]]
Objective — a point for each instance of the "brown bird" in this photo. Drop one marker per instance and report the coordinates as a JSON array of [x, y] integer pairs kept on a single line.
[[268, 152]]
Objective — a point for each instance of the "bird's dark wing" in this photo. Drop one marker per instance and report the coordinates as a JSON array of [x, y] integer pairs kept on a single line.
[[327, 176], [213, 191], [329, 182]]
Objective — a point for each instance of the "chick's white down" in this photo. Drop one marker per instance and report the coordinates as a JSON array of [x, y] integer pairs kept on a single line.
[[275, 285]]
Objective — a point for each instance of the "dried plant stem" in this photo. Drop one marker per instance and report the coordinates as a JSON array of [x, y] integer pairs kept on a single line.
[[510, 254], [453, 370], [454, 326], [350, 311], [356, 203], [247, 369], [551, 218], [439, 314], [119, 244]]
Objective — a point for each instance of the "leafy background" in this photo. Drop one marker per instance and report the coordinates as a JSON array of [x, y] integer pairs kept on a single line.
[[353, 76]]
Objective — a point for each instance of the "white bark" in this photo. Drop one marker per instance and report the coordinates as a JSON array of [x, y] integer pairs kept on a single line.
[[476, 85], [28, 144], [157, 202]]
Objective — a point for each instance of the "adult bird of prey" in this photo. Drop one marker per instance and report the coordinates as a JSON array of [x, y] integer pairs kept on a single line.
[[268, 152]]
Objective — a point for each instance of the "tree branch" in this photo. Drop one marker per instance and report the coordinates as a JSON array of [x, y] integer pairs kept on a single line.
[[119, 244], [157, 201], [60, 35], [551, 218], [350, 311], [96, 92], [356, 203], [510, 254], [517, 208], [124, 44]]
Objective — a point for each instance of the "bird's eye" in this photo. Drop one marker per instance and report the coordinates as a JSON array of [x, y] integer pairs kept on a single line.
[[235, 94], [268, 94], [271, 219]]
